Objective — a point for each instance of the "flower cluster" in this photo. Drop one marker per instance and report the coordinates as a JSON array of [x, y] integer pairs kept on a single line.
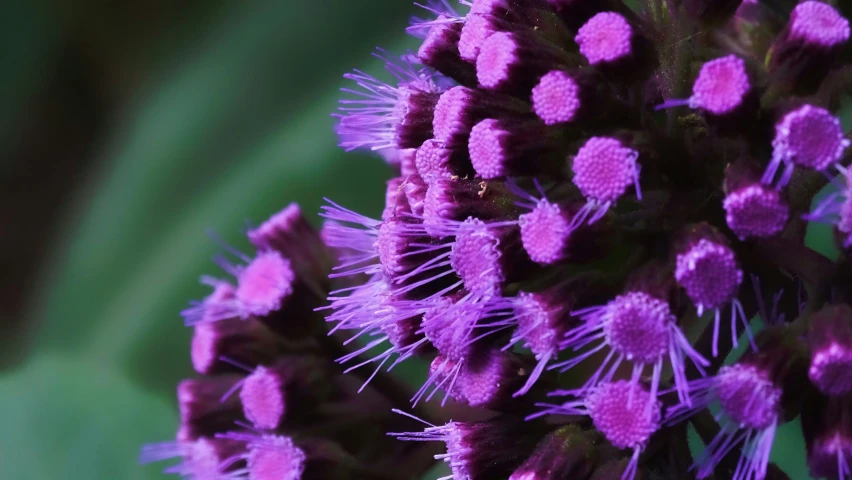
[[583, 194]]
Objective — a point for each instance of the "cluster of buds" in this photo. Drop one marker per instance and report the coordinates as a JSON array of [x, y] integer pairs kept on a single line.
[[270, 402], [583, 192]]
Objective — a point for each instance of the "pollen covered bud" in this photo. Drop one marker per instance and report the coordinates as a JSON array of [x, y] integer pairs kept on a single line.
[[289, 233], [514, 62], [284, 392], [460, 108], [488, 258], [620, 412], [578, 97], [808, 137], [625, 412], [488, 379], [808, 46], [604, 169], [752, 209], [550, 234], [279, 457], [721, 87], [761, 391], [269, 289], [246, 342], [827, 428], [609, 42], [722, 91], [707, 269], [208, 406], [440, 50], [486, 449], [519, 148], [830, 341], [434, 161]]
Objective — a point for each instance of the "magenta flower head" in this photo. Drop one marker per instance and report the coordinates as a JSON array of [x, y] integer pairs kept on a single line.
[[752, 209], [721, 89], [808, 137], [550, 223], [706, 268], [550, 234], [638, 327], [604, 169], [830, 341], [575, 96], [513, 62], [610, 43], [625, 412], [828, 435], [754, 396], [808, 46], [545, 318], [605, 38], [721, 86], [440, 50], [508, 148]]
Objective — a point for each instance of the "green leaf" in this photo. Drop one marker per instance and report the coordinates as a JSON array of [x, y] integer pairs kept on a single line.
[[67, 419]]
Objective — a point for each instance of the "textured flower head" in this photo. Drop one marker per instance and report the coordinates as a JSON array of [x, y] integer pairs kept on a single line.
[[605, 38], [818, 23], [721, 86]]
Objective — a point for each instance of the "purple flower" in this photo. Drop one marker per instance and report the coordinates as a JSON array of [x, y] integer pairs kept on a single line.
[[830, 338], [756, 211], [827, 429], [605, 38], [636, 327], [604, 168], [720, 88], [556, 97], [513, 258], [625, 412], [382, 116], [706, 268], [819, 24], [809, 137], [750, 403], [752, 397]]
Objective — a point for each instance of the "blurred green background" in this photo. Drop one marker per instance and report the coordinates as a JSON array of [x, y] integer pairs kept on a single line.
[[127, 129]]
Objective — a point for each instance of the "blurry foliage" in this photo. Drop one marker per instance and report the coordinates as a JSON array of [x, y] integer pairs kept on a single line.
[[126, 131], [176, 121]]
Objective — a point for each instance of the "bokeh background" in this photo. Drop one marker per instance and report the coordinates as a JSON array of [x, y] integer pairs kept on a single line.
[[127, 130]]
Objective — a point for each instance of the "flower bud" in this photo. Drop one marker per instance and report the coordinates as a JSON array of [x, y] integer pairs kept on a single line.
[[807, 48], [830, 341]]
